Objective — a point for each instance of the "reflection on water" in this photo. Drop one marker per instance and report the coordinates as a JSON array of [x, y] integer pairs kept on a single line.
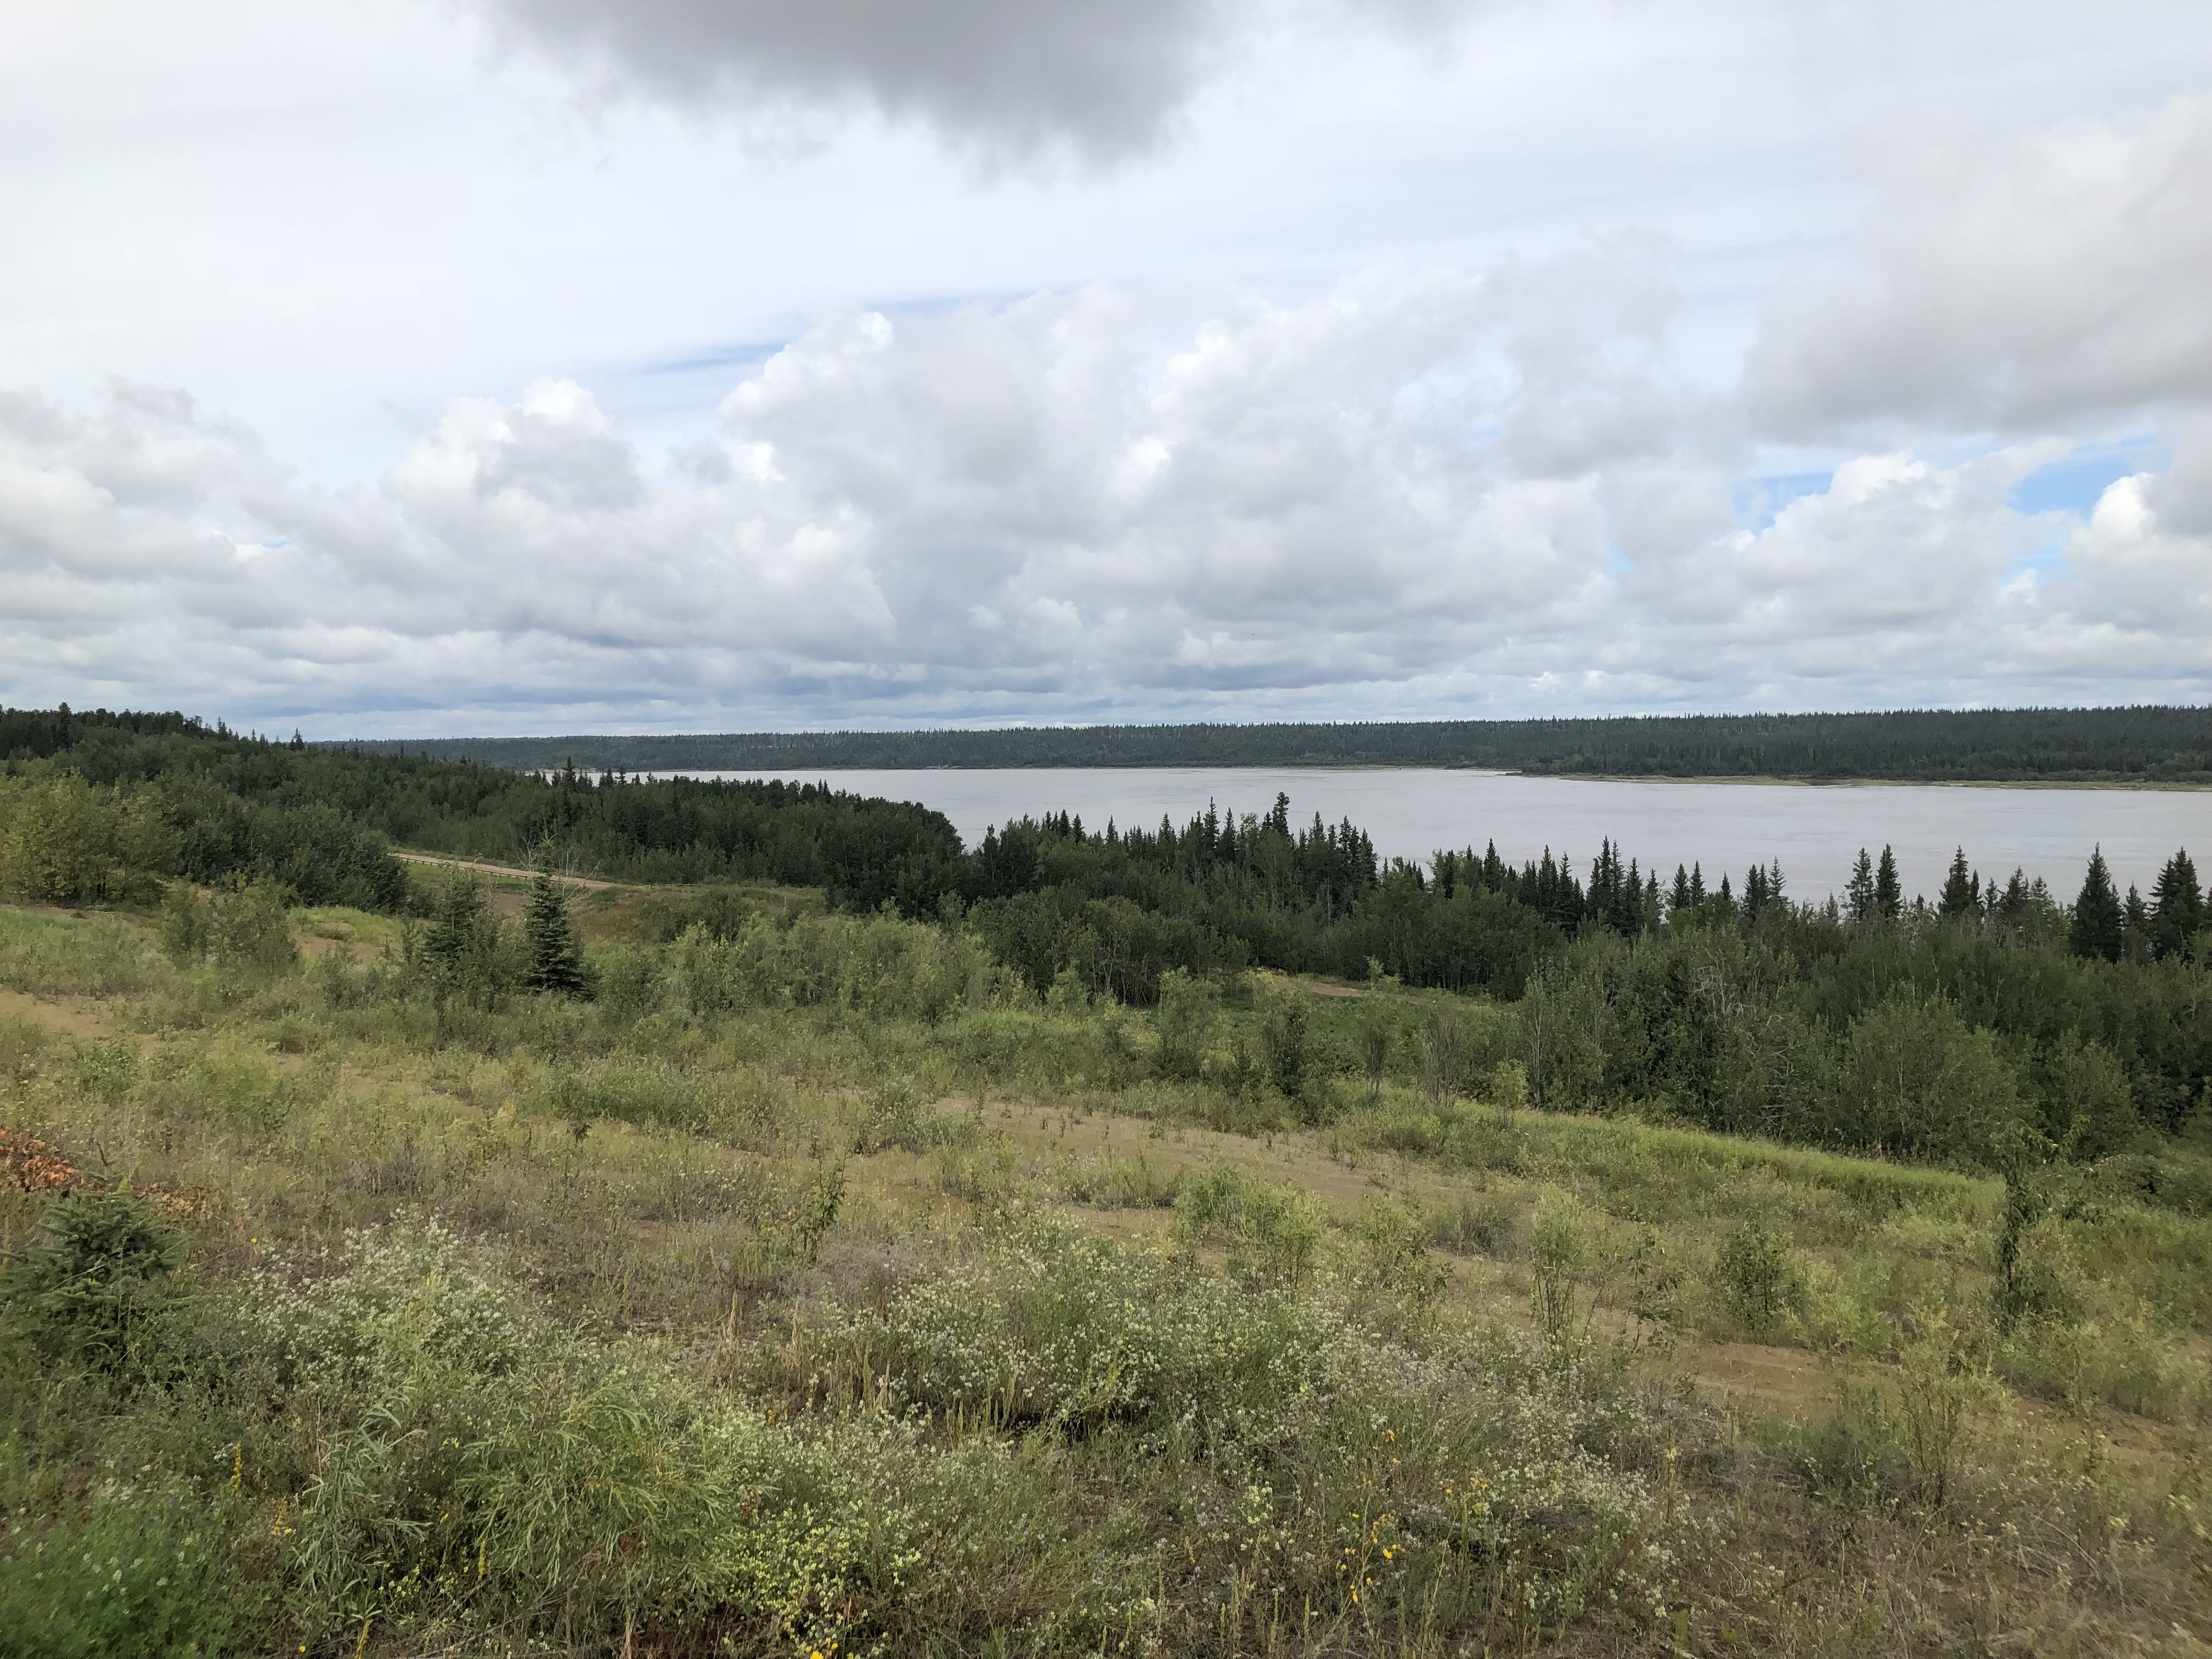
[[1411, 812]]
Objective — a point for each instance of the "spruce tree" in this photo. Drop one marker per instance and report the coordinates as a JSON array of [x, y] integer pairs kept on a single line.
[[1858, 892], [2177, 907], [555, 963], [1754, 890], [1888, 891], [1679, 900], [459, 920], [1962, 895], [2098, 928]]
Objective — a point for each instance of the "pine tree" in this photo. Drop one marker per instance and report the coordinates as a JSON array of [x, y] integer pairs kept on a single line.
[[1679, 900], [1697, 884], [2099, 929], [2177, 907], [2136, 931], [1962, 895], [555, 963], [1888, 891], [1858, 893]]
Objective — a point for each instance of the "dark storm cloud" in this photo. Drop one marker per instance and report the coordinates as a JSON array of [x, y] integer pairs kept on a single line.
[[1003, 77], [996, 74]]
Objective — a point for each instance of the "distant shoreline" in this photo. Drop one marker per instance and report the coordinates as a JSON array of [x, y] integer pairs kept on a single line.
[[1752, 780], [2142, 747]]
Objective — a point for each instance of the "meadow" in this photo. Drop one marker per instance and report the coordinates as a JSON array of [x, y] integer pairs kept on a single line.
[[819, 1284]]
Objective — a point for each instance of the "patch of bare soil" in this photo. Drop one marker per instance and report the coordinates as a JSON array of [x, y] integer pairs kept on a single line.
[[1783, 1382], [500, 870], [87, 1019]]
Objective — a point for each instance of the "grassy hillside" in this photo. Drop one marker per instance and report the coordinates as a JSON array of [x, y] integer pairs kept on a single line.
[[821, 1287]]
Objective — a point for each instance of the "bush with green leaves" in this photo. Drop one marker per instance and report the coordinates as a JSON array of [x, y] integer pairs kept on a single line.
[[245, 927], [1048, 1325], [64, 840], [1274, 1234], [1283, 1040], [1916, 1079], [124, 1573], [1757, 1277], [471, 1461], [1120, 1183], [876, 965], [1187, 1014], [1559, 1256]]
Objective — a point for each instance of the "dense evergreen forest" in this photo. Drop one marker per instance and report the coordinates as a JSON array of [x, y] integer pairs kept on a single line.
[[2151, 745], [318, 820], [1922, 1026]]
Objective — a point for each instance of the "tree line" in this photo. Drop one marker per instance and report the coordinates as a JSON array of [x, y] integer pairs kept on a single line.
[[2149, 743]]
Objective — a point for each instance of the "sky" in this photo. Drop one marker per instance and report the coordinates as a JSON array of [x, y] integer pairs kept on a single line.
[[470, 366]]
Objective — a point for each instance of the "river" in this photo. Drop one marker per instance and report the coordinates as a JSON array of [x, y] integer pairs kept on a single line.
[[1815, 831]]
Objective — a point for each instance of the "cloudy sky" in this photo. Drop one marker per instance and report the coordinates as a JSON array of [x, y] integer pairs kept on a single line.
[[475, 366]]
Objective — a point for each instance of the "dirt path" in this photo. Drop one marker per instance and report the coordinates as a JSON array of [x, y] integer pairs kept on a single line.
[[504, 870]]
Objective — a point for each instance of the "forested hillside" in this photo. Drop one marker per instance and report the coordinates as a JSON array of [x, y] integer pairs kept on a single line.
[[318, 820], [2149, 745], [2086, 1023]]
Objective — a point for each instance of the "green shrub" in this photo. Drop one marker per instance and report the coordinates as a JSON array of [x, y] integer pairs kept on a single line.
[[1446, 1054], [250, 930], [95, 1291], [897, 1114], [127, 1575], [1049, 1326], [1479, 1223], [1185, 1023], [1939, 1391], [1283, 1040], [1273, 1234], [187, 924], [984, 1176], [1120, 1183], [1392, 1258], [1757, 1277], [1558, 1256], [1915, 1080]]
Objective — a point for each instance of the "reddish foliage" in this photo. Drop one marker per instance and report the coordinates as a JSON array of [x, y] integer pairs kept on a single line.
[[34, 1166], [31, 1166]]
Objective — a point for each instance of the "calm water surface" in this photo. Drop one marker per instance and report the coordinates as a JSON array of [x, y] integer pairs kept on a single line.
[[1412, 811]]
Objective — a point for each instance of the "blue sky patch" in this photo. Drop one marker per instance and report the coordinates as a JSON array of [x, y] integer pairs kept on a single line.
[[2073, 483], [1757, 500]]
